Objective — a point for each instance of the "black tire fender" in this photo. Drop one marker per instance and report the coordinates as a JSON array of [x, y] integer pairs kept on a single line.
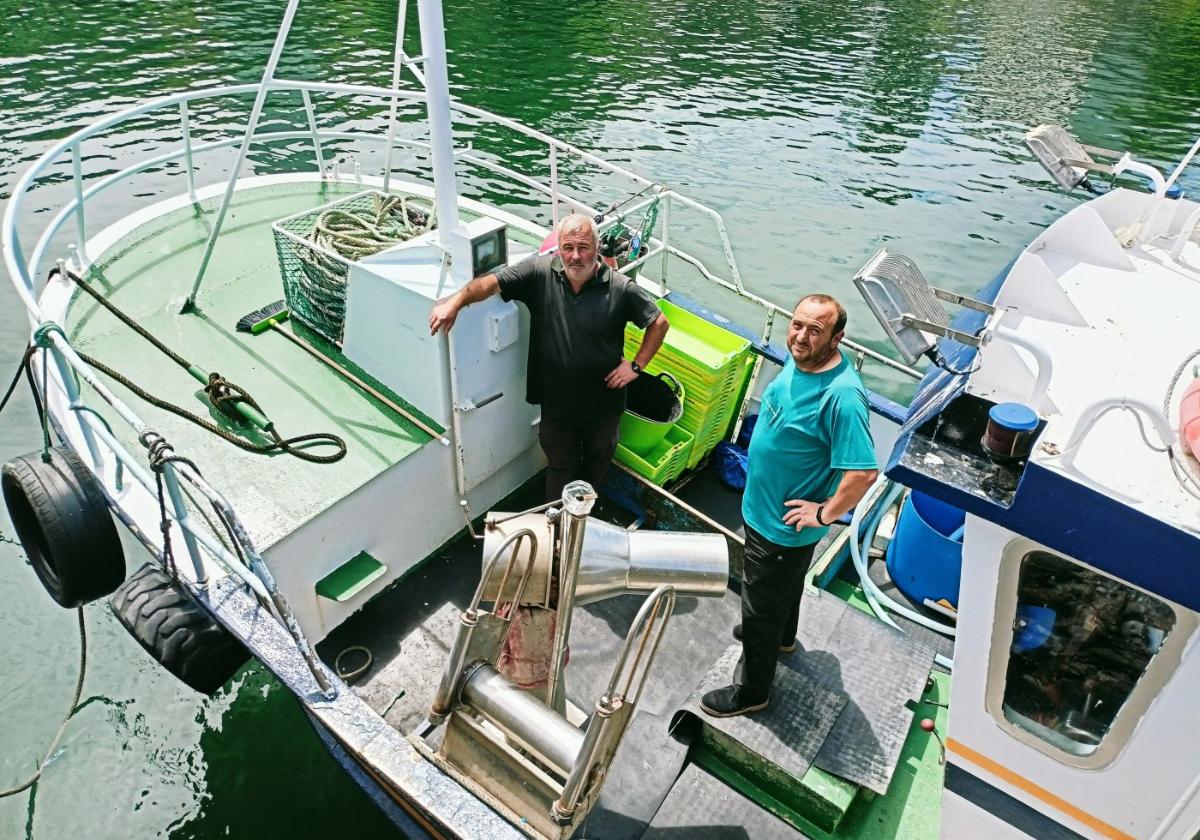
[[179, 633], [62, 519]]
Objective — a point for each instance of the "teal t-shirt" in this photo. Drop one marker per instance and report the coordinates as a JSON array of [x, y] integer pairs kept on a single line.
[[811, 427]]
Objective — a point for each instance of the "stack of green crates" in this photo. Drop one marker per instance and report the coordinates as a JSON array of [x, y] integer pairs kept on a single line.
[[713, 365]]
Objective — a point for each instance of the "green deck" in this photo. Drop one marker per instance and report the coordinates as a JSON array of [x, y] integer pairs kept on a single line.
[[149, 273]]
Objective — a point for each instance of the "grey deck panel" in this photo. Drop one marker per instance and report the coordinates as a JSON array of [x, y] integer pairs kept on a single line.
[[879, 669], [790, 732]]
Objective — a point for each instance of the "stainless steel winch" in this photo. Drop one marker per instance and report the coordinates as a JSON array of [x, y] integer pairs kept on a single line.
[[516, 745]]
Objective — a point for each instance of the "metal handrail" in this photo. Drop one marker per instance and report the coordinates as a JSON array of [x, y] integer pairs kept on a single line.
[[69, 364]]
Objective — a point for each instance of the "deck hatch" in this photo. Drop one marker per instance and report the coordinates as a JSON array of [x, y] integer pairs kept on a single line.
[[350, 578]]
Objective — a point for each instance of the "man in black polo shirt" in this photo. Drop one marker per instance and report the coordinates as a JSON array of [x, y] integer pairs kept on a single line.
[[578, 309]]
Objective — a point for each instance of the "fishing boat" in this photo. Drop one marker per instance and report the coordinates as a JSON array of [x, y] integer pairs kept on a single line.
[[999, 642]]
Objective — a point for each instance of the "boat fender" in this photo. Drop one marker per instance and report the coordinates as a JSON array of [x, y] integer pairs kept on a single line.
[[179, 633], [61, 516], [1189, 419]]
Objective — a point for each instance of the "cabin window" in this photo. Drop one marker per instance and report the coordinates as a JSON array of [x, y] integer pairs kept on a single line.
[[1080, 643]]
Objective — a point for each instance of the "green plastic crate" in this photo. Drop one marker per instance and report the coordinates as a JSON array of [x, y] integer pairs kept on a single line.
[[664, 462], [710, 362]]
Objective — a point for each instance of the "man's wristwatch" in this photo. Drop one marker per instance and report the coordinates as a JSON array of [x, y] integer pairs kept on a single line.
[[636, 367], [817, 516]]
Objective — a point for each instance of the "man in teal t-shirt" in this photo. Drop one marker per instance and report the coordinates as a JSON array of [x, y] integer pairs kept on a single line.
[[811, 460]]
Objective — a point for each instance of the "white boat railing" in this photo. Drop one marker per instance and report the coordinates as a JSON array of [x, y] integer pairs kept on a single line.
[[70, 367]]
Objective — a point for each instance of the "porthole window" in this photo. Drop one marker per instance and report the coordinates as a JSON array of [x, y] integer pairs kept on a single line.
[[1081, 641]]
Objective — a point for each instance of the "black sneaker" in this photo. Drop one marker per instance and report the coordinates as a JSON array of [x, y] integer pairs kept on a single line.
[[724, 702], [790, 647]]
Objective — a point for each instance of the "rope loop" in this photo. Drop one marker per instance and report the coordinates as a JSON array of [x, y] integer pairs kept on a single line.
[[41, 335], [225, 395]]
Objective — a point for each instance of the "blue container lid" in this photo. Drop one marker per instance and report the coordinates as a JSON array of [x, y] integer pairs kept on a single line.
[[1017, 417]]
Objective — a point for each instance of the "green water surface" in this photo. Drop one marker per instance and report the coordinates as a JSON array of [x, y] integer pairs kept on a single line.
[[821, 130]]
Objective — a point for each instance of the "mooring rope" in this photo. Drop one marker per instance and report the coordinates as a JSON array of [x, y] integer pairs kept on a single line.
[[222, 393], [32, 780]]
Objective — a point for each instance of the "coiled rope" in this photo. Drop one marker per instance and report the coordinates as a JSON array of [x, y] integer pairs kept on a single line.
[[341, 235]]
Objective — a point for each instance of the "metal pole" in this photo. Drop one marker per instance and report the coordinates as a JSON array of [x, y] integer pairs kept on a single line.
[[577, 500], [80, 222], [666, 241], [72, 391], [316, 135], [554, 186], [185, 124], [181, 516], [437, 102], [397, 63], [285, 27]]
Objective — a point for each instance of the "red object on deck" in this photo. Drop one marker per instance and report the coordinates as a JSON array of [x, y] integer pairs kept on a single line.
[[549, 244], [1189, 419]]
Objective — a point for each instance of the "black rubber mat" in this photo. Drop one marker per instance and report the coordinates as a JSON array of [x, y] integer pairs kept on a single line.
[[879, 669], [702, 807], [791, 730]]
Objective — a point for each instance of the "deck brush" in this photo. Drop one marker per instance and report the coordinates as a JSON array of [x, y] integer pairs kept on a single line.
[[272, 315]]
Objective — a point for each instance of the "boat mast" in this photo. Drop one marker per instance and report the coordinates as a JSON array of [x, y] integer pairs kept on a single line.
[[437, 103]]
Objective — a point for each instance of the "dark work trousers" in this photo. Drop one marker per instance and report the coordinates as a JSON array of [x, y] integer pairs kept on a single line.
[[577, 448], [772, 583]]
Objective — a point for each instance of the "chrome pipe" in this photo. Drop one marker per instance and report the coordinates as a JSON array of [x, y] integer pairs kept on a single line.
[[524, 718], [456, 662], [577, 500], [614, 709], [616, 562]]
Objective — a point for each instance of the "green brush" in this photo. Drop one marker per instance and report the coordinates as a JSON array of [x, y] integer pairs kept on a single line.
[[272, 315]]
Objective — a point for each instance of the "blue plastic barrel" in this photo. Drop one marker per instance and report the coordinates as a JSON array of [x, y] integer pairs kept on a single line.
[[924, 558]]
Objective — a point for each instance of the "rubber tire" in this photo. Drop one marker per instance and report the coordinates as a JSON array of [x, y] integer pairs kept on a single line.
[[61, 517], [174, 629]]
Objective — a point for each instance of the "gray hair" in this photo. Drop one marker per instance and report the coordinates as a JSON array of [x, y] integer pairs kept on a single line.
[[578, 222]]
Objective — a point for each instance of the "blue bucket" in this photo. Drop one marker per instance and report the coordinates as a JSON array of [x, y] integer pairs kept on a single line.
[[924, 558]]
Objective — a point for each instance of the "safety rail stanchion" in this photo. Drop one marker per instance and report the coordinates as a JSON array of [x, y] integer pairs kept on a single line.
[[277, 604], [189, 169], [311, 114], [666, 243], [554, 186], [199, 570], [397, 63], [71, 390], [80, 220]]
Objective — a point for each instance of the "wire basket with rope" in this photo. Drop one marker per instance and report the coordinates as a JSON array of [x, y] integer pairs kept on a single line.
[[317, 247]]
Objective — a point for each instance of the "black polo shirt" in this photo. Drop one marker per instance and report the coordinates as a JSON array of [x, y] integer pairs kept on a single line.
[[575, 340]]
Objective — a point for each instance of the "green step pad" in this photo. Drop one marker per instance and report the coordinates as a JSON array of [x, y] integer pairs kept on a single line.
[[350, 578]]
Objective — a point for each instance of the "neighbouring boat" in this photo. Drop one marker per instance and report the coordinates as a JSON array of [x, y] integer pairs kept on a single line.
[[313, 503]]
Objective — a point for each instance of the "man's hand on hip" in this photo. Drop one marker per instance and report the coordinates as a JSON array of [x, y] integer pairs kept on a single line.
[[621, 375], [443, 315], [802, 514]]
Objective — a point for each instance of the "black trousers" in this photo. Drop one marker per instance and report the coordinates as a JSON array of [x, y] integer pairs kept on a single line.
[[577, 448], [772, 583]]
